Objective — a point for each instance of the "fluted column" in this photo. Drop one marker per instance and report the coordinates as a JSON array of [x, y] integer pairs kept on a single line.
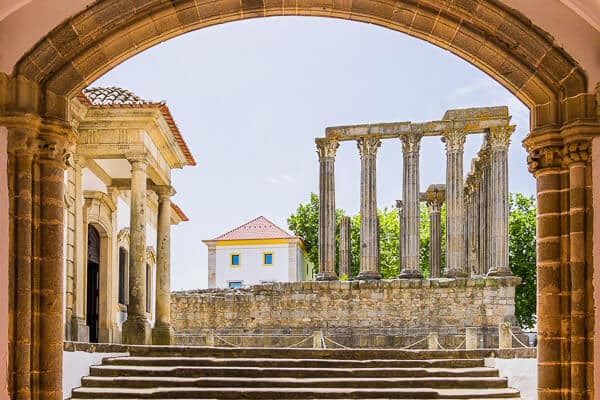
[[455, 240], [411, 145], [345, 247], [401, 240], [499, 139], [435, 235], [326, 149], [136, 329], [162, 333], [369, 245], [484, 244]]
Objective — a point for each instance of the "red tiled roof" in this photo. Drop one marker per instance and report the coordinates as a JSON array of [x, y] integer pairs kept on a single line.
[[125, 99], [175, 208], [259, 228]]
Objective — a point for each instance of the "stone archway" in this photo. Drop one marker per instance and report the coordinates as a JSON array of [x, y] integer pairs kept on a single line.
[[34, 107]]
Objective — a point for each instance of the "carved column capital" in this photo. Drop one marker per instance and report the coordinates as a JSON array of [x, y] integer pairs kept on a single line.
[[367, 146], [326, 148], [399, 204], [411, 142], [454, 140], [543, 158], [578, 152], [435, 205], [499, 136], [138, 162], [164, 192], [54, 149]]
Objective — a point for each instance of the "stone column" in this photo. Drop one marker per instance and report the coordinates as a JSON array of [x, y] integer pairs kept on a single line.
[[411, 144], [79, 328], [435, 235], [54, 152], [21, 148], [484, 243], [401, 239], [455, 240], [499, 139], [136, 329], [369, 246], [162, 333], [345, 247], [326, 149]]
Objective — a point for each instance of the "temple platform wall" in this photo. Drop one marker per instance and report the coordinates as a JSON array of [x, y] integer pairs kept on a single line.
[[385, 313]]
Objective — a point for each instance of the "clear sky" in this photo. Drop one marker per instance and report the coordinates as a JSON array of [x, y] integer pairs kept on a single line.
[[251, 96]]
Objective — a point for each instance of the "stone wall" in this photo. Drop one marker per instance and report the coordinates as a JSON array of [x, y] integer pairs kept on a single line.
[[386, 313]]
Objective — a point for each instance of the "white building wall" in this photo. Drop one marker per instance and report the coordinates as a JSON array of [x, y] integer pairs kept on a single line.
[[251, 270], [89, 181]]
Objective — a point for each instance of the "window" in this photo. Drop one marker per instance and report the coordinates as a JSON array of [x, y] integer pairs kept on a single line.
[[268, 259], [235, 261], [122, 275], [235, 284]]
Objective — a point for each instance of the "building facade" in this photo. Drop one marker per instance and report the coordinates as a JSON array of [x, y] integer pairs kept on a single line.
[[118, 213], [256, 252]]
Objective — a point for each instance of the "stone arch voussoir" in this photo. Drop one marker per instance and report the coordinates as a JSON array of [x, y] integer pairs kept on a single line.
[[489, 35]]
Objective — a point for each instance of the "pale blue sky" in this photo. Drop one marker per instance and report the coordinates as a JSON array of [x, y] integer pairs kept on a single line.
[[251, 96]]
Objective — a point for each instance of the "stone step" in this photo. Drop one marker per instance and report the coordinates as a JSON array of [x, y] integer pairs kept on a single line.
[[289, 362], [291, 393], [444, 383], [283, 372], [340, 354]]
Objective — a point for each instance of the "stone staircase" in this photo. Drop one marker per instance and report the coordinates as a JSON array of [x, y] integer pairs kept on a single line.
[[276, 373]]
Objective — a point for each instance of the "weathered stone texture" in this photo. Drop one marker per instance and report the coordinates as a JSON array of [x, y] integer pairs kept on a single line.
[[376, 310]]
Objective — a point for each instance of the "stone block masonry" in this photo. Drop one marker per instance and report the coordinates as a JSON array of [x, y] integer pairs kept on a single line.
[[386, 313]]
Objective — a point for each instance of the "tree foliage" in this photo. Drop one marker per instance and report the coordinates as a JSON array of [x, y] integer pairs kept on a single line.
[[521, 236], [305, 223]]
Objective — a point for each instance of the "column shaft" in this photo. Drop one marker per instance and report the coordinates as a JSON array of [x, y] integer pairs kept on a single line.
[[435, 236], [162, 333], [401, 239], [499, 139], [22, 153], [369, 245], [455, 264], [411, 144], [326, 150], [345, 247], [136, 329]]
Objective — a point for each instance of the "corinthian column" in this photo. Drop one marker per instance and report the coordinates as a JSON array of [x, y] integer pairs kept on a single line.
[[499, 139], [326, 149], [401, 239], [435, 199], [369, 245], [136, 329], [345, 247], [162, 333], [455, 239], [411, 144]]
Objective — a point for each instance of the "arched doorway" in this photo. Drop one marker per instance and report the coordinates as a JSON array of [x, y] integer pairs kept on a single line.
[[93, 284], [486, 33]]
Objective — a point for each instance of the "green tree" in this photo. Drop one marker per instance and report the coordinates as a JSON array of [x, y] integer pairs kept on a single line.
[[521, 236], [305, 223]]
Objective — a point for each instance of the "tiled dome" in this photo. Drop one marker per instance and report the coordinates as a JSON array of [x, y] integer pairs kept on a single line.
[[111, 95]]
